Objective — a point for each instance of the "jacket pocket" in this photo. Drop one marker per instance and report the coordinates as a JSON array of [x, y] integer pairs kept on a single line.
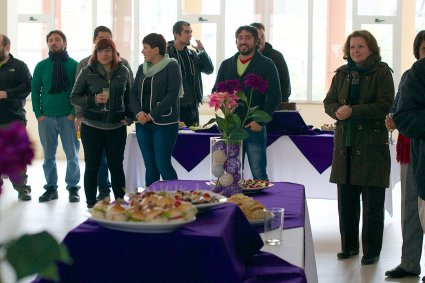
[[167, 113]]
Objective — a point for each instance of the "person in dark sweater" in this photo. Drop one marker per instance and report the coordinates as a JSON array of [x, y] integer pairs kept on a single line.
[[15, 86], [249, 61], [282, 68]]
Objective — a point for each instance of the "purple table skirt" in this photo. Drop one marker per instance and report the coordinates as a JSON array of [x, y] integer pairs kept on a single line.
[[191, 149], [220, 246], [287, 195]]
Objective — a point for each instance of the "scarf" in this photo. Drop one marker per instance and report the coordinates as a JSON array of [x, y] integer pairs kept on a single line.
[[403, 149], [149, 69], [59, 78], [357, 72]]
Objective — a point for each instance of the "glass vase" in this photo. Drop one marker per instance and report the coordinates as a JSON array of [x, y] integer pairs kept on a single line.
[[225, 166]]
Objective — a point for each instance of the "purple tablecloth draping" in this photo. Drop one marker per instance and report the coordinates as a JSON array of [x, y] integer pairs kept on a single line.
[[287, 195], [192, 148], [220, 246]]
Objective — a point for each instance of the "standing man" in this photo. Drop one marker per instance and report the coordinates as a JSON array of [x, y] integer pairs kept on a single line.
[[267, 50], [410, 121], [50, 92], [15, 86], [103, 183], [248, 60], [192, 63]]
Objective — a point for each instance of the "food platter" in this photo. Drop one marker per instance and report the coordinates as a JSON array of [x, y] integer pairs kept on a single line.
[[258, 222], [140, 227], [255, 190], [205, 206]]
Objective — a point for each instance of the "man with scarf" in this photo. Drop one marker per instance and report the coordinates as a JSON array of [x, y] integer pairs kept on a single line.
[[51, 87], [192, 64], [15, 86]]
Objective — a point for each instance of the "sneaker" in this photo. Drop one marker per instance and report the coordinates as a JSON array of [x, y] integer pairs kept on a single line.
[[73, 194], [102, 196], [24, 196], [24, 192], [48, 195]]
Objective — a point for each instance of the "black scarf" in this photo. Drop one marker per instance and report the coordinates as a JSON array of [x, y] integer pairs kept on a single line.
[[59, 78]]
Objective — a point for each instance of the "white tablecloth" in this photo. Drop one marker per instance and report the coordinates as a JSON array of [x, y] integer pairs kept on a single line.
[[285, 163]]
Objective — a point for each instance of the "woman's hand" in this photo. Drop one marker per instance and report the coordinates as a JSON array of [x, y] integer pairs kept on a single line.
[[344, 112], [143, 118], [100, 98]]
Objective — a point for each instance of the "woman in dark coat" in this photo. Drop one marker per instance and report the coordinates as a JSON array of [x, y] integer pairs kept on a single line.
[[360, 96]]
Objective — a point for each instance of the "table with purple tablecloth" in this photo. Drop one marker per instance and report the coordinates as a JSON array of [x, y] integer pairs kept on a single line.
[[220, 246]]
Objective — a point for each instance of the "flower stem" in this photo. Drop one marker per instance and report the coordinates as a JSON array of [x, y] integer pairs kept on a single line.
[[247, 110]]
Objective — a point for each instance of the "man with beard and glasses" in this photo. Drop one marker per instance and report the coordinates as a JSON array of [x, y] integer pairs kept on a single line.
[[192, 64], [51, 87], [15, 86], [249, 61]]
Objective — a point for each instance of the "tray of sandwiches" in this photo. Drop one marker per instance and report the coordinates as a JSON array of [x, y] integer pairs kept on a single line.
[[150, 212]]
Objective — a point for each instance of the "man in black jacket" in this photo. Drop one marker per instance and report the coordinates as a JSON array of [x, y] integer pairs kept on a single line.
[[192, 64], [15, 86], [267, 50], [410, 121]]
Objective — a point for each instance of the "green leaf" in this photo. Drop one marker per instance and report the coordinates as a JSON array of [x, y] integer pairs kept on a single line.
[[64, 255], [260, 116], [238, 134], [242, 96], [236, 120], [37, 253], [210, 122]]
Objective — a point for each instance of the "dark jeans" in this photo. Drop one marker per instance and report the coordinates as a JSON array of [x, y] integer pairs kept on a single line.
[[103, 175], [189, 115], [95, 141], [156, 143], [373, 199]]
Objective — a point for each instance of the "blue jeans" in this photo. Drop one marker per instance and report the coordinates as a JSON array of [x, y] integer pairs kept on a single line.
[[49, 129], [255, 147], [103, 175], [156, 143]]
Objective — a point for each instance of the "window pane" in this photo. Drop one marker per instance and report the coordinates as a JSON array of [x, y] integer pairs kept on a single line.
[[292, 40], [33, 7], [319, 49], [244, 16], [191, 7], [32, 53], [377, 8], [104, 12], [384, 36], [420, 15], [156, 16], [207, 34], [78, 33]]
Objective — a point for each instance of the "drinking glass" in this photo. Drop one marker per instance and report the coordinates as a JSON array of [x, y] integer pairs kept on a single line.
[[390, 132], [106, 94], [273, 225]]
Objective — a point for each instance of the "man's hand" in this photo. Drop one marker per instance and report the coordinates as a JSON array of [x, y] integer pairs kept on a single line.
[[344, 112], [3, 94], [77, 124], [254, 126], [70, 117], [199, 46], [389, 123], [41, 118]]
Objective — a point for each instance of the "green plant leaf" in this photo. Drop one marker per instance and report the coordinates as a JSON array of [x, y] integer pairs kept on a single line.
[[37, 253], [64, 255], [242, 96], [238, 134], [236, 120], [260, 116], [210, 121]]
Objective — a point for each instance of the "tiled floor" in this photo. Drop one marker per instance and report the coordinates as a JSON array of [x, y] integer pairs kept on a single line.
[[59, 216]]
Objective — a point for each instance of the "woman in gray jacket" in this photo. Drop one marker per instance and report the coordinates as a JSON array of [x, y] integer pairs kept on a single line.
[[155, 102], [359, 98]]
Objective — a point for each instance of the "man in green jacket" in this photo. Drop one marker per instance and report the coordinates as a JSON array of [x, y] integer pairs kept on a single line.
[[51, 87]]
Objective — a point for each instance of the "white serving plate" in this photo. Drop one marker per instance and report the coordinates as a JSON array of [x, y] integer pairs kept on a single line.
[[140, 227]]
